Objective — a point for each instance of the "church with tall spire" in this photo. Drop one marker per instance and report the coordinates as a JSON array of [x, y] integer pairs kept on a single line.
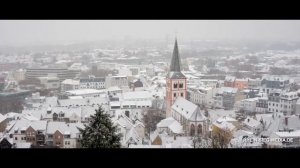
[[176, 81]]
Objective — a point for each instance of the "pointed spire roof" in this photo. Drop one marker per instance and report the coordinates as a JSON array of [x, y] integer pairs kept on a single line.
[[175, 71], [175, 62]]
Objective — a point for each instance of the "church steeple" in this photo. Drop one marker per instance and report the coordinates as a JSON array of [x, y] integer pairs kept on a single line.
[[175, 62], [175, 81], [175, 70]]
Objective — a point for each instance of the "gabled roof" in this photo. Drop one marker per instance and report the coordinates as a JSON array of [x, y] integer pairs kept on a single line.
[[188, 109], [64, 128], [24, 124], [225, 125]]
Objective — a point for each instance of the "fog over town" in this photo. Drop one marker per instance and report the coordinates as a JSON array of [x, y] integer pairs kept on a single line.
[[149, 83]]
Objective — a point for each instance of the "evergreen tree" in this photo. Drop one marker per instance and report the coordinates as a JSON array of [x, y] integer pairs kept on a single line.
[[100, 132]]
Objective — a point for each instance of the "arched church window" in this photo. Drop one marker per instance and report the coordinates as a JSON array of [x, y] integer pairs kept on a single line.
[[192, 131], [199, 129]]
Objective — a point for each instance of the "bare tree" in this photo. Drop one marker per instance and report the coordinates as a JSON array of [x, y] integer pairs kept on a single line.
[[221, 139]]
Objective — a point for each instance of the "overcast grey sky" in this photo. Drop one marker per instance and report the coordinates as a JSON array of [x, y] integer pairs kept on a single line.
[[34, 32]]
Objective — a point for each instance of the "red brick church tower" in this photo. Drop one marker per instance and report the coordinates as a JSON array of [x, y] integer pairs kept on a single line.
[[176, 81]]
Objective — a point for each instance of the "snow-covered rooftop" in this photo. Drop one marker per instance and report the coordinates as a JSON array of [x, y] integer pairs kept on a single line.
[[84, 91], [70, 82], [172, 124], [227, 90], [251, 122], [225, 125], [188, 109], [24, 124], [137, 95]]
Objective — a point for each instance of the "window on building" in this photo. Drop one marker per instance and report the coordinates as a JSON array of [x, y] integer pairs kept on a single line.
[[181, 85], [181, 94], [175, 85], [199, 129], [174, 94], [192, 131], [16, 138]]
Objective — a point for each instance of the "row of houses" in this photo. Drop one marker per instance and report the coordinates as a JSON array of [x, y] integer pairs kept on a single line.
[[277, 102], [25, 133], [93, 82]]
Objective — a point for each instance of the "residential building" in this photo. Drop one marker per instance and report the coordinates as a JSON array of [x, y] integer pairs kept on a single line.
[[26, 131], [229, 96], [254, 83], [288, 102], [284, 102], [274, 101], [202, 95], [92, 82], [271, 83], [120, 81], [229, 81], [249, 105], [240, 84], [70, 84], [63, 135], [262, 105]]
